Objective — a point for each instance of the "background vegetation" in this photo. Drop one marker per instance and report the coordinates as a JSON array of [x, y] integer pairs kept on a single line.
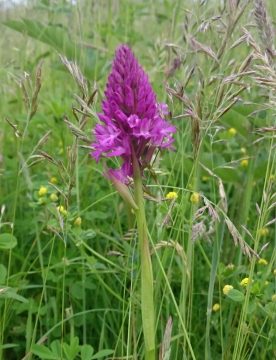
[[69, 263]]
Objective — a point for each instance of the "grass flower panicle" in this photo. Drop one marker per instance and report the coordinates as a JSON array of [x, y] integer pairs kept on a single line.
[[133, 123]]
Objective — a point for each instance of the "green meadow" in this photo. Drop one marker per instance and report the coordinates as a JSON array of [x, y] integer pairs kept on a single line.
[[70, 254]]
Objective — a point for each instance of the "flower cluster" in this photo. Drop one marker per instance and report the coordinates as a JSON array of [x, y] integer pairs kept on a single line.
[[133, 123]]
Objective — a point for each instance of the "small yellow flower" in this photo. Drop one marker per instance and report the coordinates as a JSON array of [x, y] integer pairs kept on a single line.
[[195, 198], [42, 191], [273, 297], [245, 282], [232, 131], [53, 180], [172, 195], [54, 197], [226, 289], [78, 221], [264, 231], [262, 262], [62, 210], [243, 150], [244, 163], [216, 307]]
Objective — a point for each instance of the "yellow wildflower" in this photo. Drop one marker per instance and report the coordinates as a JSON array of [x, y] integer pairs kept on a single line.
[[62, 210], [226, 289], [42, 191], [232, 131], [78, 221], [172, 195], [262, 262], [54, 197], [245, 282], [273, 297], [244, 163], [216, 307], [195, 198], [53, 180], [264, 231]]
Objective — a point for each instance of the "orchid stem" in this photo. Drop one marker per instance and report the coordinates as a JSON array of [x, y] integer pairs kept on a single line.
[[147, 301]]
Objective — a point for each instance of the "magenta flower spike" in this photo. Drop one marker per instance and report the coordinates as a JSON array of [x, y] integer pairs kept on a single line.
[[133, 123], [133, 126]]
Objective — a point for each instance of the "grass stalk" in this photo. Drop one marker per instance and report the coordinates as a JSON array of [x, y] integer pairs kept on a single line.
[[147, 300]]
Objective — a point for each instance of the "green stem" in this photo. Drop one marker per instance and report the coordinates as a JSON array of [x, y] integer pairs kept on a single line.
[[147, 303]]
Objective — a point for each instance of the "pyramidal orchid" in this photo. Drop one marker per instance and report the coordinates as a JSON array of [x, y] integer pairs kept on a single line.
[[132, 127], [133, 123]]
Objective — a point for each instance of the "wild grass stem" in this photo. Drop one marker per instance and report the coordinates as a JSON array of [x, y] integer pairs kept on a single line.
[[147, 293]]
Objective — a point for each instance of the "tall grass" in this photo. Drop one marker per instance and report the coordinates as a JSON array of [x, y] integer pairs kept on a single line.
[[69, 261]]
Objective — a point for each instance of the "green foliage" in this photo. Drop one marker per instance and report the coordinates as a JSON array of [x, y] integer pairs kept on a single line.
[[56, 36], [69, 260], [7, 241]]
